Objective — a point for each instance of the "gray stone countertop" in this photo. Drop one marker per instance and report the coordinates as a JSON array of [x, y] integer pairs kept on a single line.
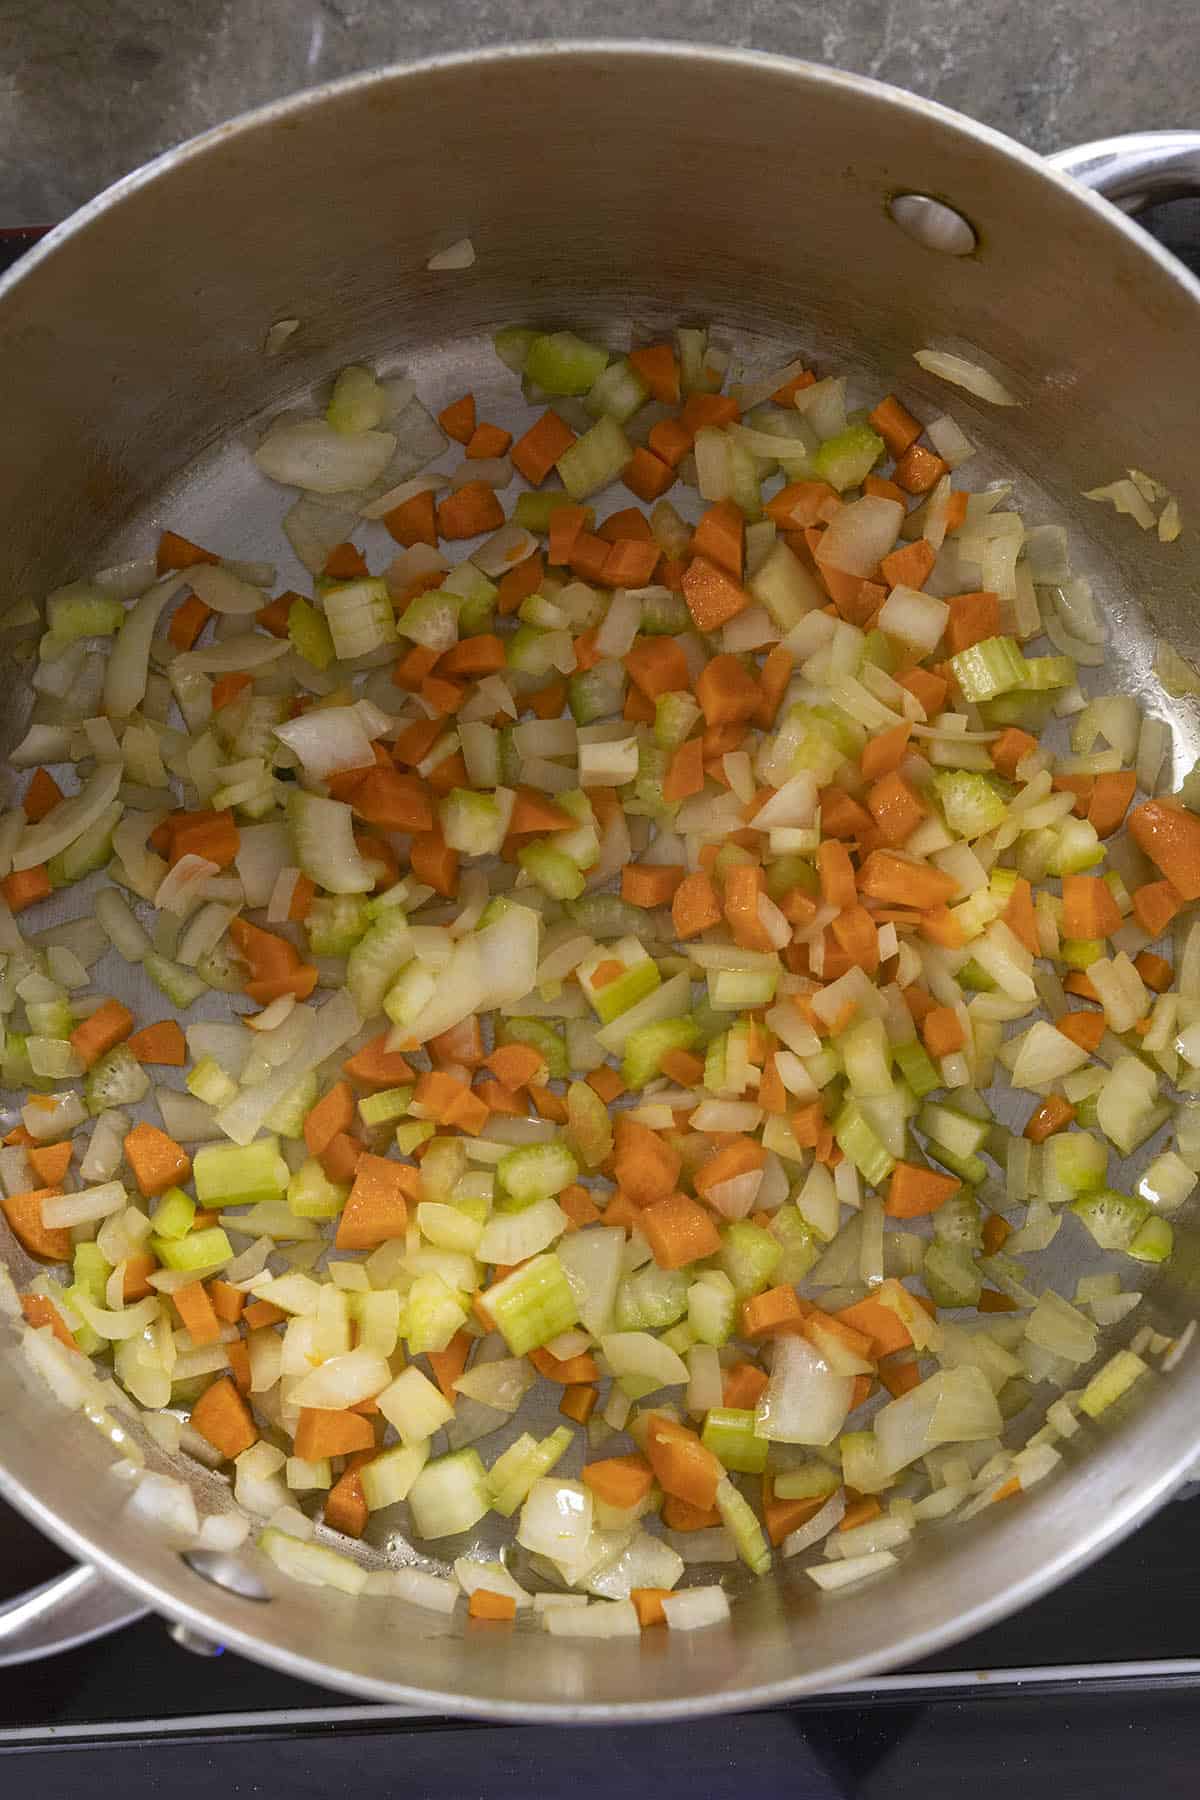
[[91, 88]]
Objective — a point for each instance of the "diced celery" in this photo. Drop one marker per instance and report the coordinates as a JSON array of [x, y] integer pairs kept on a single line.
[[991, 667], [360, 617], [1109, 1383], [914, 1064], [617, 391], [733, 989], [409, 1136], [117, 1079], [80, 610], [811, 1481], [674, 716], [1113, 1219], [847, 459], [1076, 849], [1154, 1242], [311, 1195], [208, 1081], [513, 1474], [612, 998], [712, 1307], [474, 824], [589, 1128], [951, 1129], [91, 1270], [450, 1495], [553, 871], [89, 852], [594, 460], [287, 1116], [173, 1215], [857, 1140], [533, 1304], [376, 960], [967, 1168], [357, 402], [383, 1108], [562, 363], [239, 1175], [1043, 672], [389, 1477], [971, 803], [740, 1521], [532, 651], [596, 693], [664, 614], [651, 1299], [749, 1256], [1081, 953], [951, 1274], [218, 969], [511, 345], [540, 1037], [646, 1047], [434, 1313], [536, 1172], [729, 1434], [181, 986], [206, 1249], [535, 511], [1073, 1162], [959, 1221], [432, 620], [410, 993], [335, 923], [309, 635]]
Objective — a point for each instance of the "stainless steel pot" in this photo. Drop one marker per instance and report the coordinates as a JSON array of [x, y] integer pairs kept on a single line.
[[600, 184]]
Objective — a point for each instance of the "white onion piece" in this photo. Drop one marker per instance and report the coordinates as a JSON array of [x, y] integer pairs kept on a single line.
[[951, 443], [310, 454], [79, 1209], [816, 1528], [694, 1608], [230, 656], [128, 666], [343, 1381], [861, 534], [68, 820], [329, 741], [493, 471], [459, 255], [175, 891], [511, 545], [805, 1402], [964, 374], [330, 1028], [396, 496], [277, 336], [224, 591]]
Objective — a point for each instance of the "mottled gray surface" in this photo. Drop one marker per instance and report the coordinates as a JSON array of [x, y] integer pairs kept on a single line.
[[91, 88]]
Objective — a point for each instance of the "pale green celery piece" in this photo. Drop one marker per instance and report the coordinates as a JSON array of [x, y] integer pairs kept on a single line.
[[1113, 1219], [377, 959], [968, 1168], [951, 1129], [473, 824], [1081, 953], [972, 804], [959, 1221], [1003, 883], [533, 1304], [309, 634], [382, 1108], [535, 609], [732, 989], [951, 1274], [801, 1249], [811, 1481], [450, 1495], [880, 650], [239, 1175], [674, 716], [594, 460], [749, 1256], [653, 764], [357, 402], [537, 1172], [287, 1118], [535, 511], [562, 363], [117, 1079], [847, 459], [432, 620], [1155, 1241], [435, 1313], [972, 977], [181, 986], [511, 345], [538, 1035], [665, 615], [510, 761], [617, 391], [49, 1018], [597, 693], [475, 615], [589, 1128], [729, 1433], [91, 1270], [410, 1135], [208, 1081], [1042, 672], [741, 1522], [205, 1249], [89, 852], [991, 667], [335, 923], [679, 1338], [651, 1299], [311, 1195], [1076, 849], [410, 993], [714, 1064], [80, 611], [646, 1047], [172, 1216], [532, 651], [856, 1140], [605, 916], [1109, 1383], [513, 1474], [914, 1064], [1073, 1162], [617, 996]]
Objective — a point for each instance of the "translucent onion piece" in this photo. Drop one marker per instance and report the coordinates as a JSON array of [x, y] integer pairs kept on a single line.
[[964, 374]]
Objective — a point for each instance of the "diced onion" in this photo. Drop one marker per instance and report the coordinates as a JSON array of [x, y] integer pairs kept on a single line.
[[965, 374]]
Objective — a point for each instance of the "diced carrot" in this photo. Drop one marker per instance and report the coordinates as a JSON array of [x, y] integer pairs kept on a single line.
[[1010, 749], [345, 562], [567, 1371], [801, 504], [842, 817], [48, 1243], [886, 875], [882, 489], [913, 1191], [685, 771], [670, 442], [779, 1312], [990, 1301], [1155, 971], [108, 1026], [473, 657], [648, 1604], [516, 584], [681, 1066], [449, 773], [973, 617], [589, 555], [744, 883], [1020, 917], [442, 696], [536, 452], [448, 1364], [630, 564], [259, 1314], [579, 1207], [321, 1433], [856, 934], [782, 1517], [433, 862], [515, 1065], [738, 1156], [651, 884], [627, 523], [1088, 907], [547, 702], [685, 1468], [1084, 1029], [41, 796], [838, 887], [226, 688], [721, 537], [228, 1302], [175, 552], [157, 1161], [485, 1603], [727, 692], [742, 1386], [910, 566], [487, 441], [679, 1231], [884, 1328], [534, 812], [1155, 904], [646, 1166], [940, 926], [860, 1513], [334, 1112], [25, 887], [38, 1312], [462, 1043], [274, 616], [222, 1417], [161, 1043], [942, 1030], [895, 425], [345, 1504], [900, 1376], [930, 689], [378, 1067], [1079, 785], [918, 469], [658, 367], [696, 906], [414, 521], [1052, 1115], [1111, 795], [566, 523], [393, 800], [213, 835], [713, 597], [996, 1232], [458, 419], [657, 665], [471, 511], [620, 1481], [579, 1400], [700, 409], [896, 808], [138, 1269], [195, 1308], [884, 754], [50, 1162]]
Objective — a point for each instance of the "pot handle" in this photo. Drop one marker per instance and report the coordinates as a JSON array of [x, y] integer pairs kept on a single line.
[[61, 1614], [1137, 169]]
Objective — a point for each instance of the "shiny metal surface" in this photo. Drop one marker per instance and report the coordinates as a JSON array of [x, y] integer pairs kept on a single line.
[[131, 354], [81, 1605], [1137, 169]]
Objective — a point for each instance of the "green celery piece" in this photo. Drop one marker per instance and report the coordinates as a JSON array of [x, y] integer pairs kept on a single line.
[[1113, 1219], [847, 459], [117, 1079], [712, 1308], [595, 459], [1081, 953], [915, 1066], [951, 1275], [434, 1313], [173, 1215], [89, 852], [309, 635], [384, 1107], [208, 1081], [664, 615], [811, 1481], [534, 511], [959, 1221], [741, 1522], [597, 693], [1019, 707], [408, 1136], [511, 345], [360, 617], [857, 1140], [951, 1129], [311, 1195], [513, 1474], [1042, 672], [971, 803], [183, 986], [801, 1249], [336, 923], [787, 872], [732, 989], [472, 823], [749, 1256], [475, 616], [533, 1304], [605, 916], [562, 363], [198, 1250], [1155, 1242], [531, 651], [993, 666], [880, 650], [674, 716], [80, 611], [651, 1299], [376, 960], [536, 1172], [91, 1270], [729, 1433], [1109, 1383], [432, 620], [616, 997], [549, 1044], [589, 1128], [645, 1048], [972, 1169], [977, 980], [617, 391], [357, 402], [715, 1058], [229, 1175], [287, 1116]]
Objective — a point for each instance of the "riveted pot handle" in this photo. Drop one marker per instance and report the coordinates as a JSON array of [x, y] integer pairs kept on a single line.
[[71, 1610], [1138, 169]]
